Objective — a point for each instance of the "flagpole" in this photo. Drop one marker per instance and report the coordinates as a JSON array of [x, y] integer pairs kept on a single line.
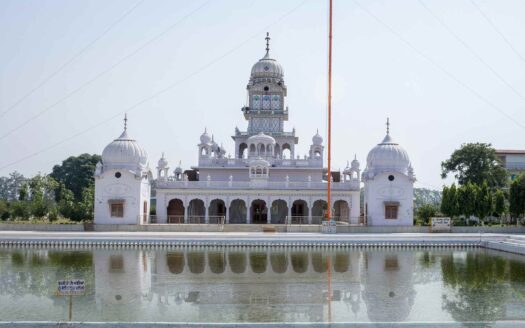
[[329, 193]]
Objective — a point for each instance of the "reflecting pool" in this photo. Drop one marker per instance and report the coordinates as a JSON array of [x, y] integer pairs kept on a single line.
[[264, 285]]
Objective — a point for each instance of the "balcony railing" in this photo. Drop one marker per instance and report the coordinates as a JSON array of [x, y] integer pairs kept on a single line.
[[352, 185], [244, 162], [221, 220]]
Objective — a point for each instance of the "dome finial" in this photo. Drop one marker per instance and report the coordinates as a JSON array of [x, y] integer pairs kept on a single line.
[[387, 126], [267, 43], [125, 121]]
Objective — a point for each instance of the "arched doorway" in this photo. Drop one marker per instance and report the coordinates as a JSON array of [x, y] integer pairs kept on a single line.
[[318, 211], [278, 211], [216, 211], [243, 150], [196, 211], [259, 212], [286, 151], [341, 211], [175, 211], [299, 212], [238, 211]]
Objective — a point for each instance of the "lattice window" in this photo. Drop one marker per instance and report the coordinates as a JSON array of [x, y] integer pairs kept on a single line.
[[256, 102], [266, 102], [276, 102]]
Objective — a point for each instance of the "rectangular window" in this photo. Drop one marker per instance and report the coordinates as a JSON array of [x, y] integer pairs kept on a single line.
[[391, 212], [117, 209]]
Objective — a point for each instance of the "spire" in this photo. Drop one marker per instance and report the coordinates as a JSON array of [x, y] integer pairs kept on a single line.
[[125, 121], [387, 126], [267, 43]]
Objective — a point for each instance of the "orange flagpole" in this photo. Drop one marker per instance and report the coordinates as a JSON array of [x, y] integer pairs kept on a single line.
[[329, 194]]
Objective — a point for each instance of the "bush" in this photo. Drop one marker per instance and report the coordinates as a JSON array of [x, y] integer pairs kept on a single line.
[[424, 213]]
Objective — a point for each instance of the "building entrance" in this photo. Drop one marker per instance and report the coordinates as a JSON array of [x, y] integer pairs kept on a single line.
[[259, 212]]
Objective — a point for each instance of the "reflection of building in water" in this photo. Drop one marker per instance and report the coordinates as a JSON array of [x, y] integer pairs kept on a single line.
[[388, 285], [122, 282], [282, 285]]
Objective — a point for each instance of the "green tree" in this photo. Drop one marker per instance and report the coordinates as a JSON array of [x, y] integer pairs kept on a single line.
[[454, 205], [484, 202], [425, 212], [475, 163], [499, 203], [467, 200], [76, 173], [42, 194], [445, 201], [517, 197]]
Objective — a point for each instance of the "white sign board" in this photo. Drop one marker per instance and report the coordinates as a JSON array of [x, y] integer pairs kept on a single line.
[[441, 224], [71, 287]]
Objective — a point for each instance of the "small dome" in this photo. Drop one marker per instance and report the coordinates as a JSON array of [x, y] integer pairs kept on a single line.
[[205, 137], [267, 67], [261, 138], [355, 163], [317, 139], [178, 169], [124, 151], [388, 156], [162, 162]]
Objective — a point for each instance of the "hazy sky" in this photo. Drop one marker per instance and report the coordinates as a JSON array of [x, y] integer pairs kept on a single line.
[[70, 69]]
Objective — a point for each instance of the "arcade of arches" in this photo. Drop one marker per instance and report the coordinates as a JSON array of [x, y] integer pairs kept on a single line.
[[257, 211]]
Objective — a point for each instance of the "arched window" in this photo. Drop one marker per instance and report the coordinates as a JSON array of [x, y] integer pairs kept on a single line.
[[252, 149]]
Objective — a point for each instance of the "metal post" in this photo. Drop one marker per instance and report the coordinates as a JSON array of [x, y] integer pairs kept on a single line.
[[70, 307]]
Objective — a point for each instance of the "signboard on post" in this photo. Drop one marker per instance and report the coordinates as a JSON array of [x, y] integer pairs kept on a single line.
[[441, 224], [72, 287]]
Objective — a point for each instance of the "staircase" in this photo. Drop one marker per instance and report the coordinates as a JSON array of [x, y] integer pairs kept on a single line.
[[512, 244]]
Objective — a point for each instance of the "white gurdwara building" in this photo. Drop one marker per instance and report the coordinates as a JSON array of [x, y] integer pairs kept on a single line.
[[264, 183]]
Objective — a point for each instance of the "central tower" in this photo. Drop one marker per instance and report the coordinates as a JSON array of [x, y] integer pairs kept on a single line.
[[266, 110]]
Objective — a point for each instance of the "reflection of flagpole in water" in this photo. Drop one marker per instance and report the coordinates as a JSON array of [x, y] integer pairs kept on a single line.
[[329, 297]]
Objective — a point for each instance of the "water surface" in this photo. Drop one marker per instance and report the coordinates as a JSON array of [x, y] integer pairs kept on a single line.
[[264, 285]]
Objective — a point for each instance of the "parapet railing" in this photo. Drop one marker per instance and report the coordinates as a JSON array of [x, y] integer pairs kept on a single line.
[[179, 219], [347, 185]]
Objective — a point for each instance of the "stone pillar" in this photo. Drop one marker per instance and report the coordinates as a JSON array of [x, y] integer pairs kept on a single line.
[[227, 214], [310, 214], [186, 213], [268, 211], [355, 208], [248, 210], [290, 204], [162, 208], [206, 213]]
